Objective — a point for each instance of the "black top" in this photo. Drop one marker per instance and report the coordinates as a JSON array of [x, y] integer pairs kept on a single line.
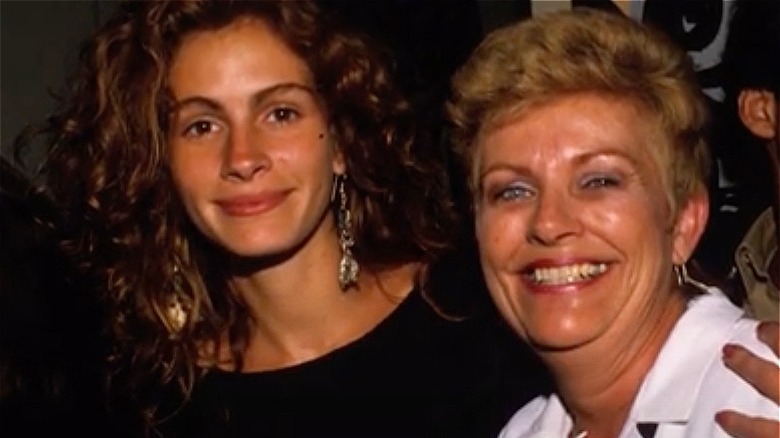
[[417, 374], [50, 350]]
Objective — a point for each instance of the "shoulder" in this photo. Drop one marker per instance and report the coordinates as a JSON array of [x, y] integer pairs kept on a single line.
[[720, 388], [710, 322], [541, 417], [689, 374]]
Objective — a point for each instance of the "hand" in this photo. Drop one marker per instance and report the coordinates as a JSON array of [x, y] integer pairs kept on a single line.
[[762, 375]]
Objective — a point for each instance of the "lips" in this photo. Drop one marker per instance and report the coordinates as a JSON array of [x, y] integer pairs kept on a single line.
[[252, 205]]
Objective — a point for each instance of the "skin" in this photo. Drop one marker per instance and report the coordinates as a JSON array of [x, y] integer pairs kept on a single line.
[[570, 182], [762, 375], [253, 163], [248, 152]]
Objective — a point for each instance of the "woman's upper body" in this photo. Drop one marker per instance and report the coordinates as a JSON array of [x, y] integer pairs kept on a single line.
[[249, 193], [584, 135], [415, 375], [686, 386]]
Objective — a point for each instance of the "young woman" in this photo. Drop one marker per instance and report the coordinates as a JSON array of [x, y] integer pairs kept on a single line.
[[252, 200]]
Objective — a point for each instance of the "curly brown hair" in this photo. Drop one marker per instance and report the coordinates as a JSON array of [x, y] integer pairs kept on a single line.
[[107, 170]]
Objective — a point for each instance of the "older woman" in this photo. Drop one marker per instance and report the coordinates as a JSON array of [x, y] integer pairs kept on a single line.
[[584, 136]]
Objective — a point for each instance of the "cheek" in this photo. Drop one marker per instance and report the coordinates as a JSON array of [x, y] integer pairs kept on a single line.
[[500, 234], [630, 215], [191, 171], [315, 158], [184, 179], [503, 290], [313, 168]]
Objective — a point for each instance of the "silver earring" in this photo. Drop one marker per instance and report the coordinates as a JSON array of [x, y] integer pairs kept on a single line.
[[684, 279], [679, 275], [175, 313], [348, 266]]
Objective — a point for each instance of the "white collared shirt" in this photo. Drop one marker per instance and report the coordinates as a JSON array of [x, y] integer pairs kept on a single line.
[[686, 386]]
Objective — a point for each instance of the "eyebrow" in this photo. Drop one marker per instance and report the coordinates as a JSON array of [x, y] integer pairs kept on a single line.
[[578, 160], [257, 97], [610, 152]]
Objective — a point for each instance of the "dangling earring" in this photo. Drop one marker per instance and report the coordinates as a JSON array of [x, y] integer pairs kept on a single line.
[[679, 275], [348, 266], [684, 279], [175, 313]]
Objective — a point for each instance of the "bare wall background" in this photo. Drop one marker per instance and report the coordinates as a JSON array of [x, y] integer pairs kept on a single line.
[[39, 42]]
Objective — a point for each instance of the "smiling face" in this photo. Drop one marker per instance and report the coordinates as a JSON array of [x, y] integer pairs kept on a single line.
[[250, 152], [573, 224]]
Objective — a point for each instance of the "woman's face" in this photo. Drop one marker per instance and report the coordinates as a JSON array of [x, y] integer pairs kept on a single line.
[[250, 152], [572, 221]]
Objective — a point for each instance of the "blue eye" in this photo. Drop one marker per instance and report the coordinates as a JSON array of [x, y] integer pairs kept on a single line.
[[513, 193]]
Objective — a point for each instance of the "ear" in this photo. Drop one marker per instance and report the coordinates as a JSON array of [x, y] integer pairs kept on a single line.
[[339, 166], [689, 226], [758, 112]]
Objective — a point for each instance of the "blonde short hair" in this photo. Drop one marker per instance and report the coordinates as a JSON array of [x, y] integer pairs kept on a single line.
[[587, 51]]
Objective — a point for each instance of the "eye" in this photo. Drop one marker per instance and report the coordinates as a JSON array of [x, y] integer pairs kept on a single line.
[[200, 128], [513, 193], [600, 182], [283, 115]]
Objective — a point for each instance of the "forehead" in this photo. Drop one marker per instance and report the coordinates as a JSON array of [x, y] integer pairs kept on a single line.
[[568, 125], [572, 122], [247, 48]]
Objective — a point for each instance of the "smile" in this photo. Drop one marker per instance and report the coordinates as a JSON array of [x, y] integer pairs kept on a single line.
[[566, 274], [252, 205]]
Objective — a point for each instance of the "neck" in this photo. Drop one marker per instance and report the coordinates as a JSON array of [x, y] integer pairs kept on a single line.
[[299, 311], [290, 285], [598, 382]]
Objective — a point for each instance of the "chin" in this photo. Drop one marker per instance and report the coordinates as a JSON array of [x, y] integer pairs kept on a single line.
[[256, 252], [556, 339], [252, 248]]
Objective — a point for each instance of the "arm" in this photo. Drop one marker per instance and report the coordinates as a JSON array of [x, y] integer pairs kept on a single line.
[[761, 374]]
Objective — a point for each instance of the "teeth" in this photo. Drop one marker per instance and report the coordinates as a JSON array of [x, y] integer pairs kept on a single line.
[[567, 274]]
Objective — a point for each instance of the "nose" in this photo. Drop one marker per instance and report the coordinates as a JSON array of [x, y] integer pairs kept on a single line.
[[245, 155], [552, 219]]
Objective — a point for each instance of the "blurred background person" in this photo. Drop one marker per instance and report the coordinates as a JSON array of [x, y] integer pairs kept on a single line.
[[751, 63]]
